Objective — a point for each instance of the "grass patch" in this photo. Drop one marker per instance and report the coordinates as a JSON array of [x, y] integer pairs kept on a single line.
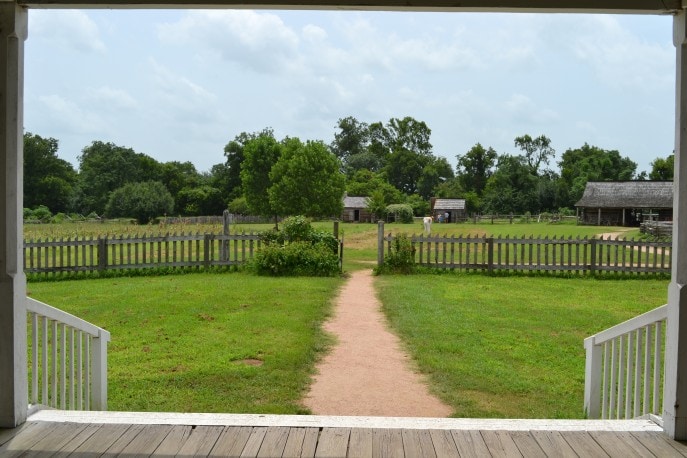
[[204, 342], [509, 347]]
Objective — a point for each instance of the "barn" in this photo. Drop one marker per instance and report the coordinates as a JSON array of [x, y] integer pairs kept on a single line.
[[355, 210], [448, 210], [625, 203]]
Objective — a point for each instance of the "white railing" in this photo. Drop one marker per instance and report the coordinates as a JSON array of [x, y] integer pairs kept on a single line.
[[624, 368], [67, 360]]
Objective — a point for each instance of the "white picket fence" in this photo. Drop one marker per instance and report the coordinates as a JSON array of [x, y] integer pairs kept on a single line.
[[624, 368], [67, 360]]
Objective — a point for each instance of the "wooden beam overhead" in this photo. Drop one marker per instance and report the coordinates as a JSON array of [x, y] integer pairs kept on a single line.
[[550, 6]]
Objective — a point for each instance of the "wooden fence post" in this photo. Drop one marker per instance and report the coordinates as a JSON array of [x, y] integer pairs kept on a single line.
[[592, 257], [102, 253], [207, 240], [380, 243], [490, 255], [336, 230], [224, 256]]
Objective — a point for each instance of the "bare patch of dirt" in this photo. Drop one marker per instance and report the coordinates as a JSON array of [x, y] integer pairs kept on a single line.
[[250, 362], [367, 372]]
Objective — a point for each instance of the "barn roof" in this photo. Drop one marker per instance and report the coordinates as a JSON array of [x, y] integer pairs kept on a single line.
[[449, 204], [627, 194], [355, 202]]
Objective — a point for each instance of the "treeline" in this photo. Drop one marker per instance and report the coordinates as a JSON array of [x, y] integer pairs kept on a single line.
[[392, 163]]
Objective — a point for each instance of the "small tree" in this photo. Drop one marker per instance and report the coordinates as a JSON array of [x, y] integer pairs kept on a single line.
[[143, 201]]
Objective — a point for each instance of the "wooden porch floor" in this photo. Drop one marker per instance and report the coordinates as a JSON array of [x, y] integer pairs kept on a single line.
[[86, 434]]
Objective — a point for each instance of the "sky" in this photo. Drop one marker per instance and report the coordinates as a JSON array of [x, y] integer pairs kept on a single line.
[[178, 85]]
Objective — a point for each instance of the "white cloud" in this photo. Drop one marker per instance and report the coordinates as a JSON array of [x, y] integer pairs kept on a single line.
[[522, 109], [108, 98], [620, 58], [68, 115], [259, 41], [68, 29]]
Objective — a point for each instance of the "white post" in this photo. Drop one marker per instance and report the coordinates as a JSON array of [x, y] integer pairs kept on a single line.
[[13, 360], [592, 378], [99, 371], [675, 387]]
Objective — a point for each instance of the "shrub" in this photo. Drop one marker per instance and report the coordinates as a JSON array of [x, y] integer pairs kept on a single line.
[[400, 258], [297, 259], [40, 213], [298, 249], [143, 201], [403, 213], [239, 206]]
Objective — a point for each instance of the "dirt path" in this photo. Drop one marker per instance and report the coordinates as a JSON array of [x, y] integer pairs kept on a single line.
[[367, 373]]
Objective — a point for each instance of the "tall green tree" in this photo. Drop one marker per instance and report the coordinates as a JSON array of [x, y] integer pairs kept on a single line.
[[48, 180], [143, 201], [233, 151], [537, 150], [662, 169], [475, 167], [104, 167], [437, 171], [366, 182], [260, 155], [512, 188], [591, 163], [307, 180], [351, 140]]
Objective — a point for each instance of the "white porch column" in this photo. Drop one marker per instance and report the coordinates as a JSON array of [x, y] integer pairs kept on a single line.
[[13, 369], [675, 388]]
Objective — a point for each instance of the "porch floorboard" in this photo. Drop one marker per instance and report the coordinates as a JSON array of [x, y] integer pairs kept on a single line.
[[86, 434]]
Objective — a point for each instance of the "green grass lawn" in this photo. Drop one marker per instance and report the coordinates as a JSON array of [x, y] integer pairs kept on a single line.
[[188, 343], [492, 346], [509, 346]]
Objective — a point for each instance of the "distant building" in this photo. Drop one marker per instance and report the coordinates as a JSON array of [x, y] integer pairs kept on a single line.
[[625, 203], [355, 210], [448, 210]]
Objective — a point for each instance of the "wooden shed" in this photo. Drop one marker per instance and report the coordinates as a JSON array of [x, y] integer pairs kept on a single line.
[[625, 203], [355, 210], [448, 210]]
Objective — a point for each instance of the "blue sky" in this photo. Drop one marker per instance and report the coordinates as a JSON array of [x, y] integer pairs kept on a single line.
[[179, 85]]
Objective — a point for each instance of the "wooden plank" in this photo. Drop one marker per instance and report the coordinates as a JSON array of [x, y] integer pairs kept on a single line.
[[25, 439], [55, 440], [120, 442], [310, 440], [620, 444], [470, 444], [360, 443], [173, 442], [101, 440], [418, 442], [500, 444], [76, 441], [333, 442], [274, 442], [201, 440], [387, 442], [8, 434], [583, 444], [231, 441], [553, 444], [294, 443], [444, 445], [254, 442], [147, 440], [660, 444], [527, 445]]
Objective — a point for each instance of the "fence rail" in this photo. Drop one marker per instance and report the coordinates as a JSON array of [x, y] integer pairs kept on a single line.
[[624, 368], [67, 359], [577, 255]]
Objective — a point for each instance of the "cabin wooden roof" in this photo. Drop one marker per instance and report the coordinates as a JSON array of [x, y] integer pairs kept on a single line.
[[449, 204], [355, 202], [627, 194]]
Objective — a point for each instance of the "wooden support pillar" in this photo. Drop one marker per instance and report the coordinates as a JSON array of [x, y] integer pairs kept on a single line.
[[13, 365], [598, 217], [675, 387]]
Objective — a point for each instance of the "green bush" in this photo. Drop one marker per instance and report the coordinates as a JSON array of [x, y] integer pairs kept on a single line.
[[403, 213], [298, 249], [143, 201], [296, 259], [401, 257]]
